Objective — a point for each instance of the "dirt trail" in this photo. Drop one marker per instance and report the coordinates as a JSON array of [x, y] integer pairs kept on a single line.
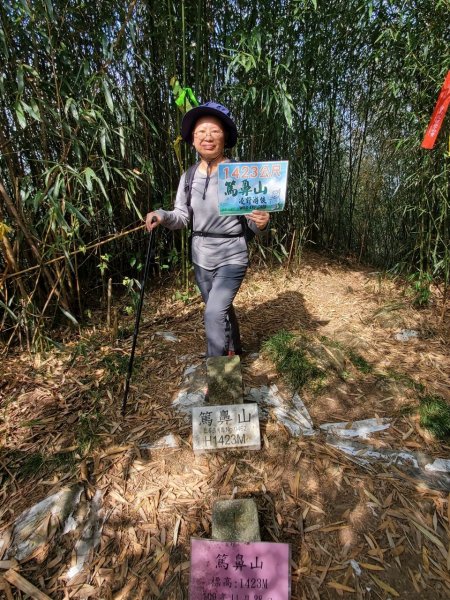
[[354, 532]]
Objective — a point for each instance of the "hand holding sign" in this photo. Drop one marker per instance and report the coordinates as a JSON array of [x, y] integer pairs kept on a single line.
[[260, 218]]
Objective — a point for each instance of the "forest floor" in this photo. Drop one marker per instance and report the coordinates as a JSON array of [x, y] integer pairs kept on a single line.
[[355, 532]]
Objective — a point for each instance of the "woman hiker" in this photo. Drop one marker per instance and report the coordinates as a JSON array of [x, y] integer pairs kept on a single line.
[[219, 248]]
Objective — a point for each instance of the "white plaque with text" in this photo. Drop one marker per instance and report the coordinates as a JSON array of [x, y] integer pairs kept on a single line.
[[232, 426]]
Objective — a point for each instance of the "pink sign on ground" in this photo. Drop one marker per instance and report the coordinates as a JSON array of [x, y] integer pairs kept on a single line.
[[239, 571]]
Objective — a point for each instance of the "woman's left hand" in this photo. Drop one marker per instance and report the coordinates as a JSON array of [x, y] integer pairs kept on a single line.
[[260, 218]]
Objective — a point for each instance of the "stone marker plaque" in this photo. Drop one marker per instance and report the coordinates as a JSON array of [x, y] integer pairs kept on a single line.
[[239, 571], [231, 426]]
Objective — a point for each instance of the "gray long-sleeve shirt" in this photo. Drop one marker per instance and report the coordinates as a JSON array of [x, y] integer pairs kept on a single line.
[[207, 252]]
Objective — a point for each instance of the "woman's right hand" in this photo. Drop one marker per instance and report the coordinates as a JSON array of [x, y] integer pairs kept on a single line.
[[152, 220]]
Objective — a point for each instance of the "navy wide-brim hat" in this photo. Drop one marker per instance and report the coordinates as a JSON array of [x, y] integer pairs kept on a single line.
[[216, 110]]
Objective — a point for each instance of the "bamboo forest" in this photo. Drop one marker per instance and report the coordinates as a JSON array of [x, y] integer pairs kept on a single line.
[[186, 411], [89, 134]]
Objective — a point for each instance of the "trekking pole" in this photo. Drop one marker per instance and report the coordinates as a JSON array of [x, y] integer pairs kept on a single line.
[[138, 318]]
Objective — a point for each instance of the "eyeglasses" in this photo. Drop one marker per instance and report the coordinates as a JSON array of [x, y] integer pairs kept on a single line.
[[202, 134]]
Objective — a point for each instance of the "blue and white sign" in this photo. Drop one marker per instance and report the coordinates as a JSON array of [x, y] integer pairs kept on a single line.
[[244, 187]]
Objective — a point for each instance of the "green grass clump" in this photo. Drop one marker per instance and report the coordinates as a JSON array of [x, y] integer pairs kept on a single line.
[[276, 345], [404, 379], [290, 360], [360, 362], [31, 465], [37, 464], [434, 414]]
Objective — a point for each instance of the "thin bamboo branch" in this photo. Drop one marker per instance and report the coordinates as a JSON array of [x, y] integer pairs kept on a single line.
[[74, 252]]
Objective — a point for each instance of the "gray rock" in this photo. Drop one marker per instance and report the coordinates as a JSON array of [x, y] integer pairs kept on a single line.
[[235, 521], [406, 335], [389, 316], [328, 357]]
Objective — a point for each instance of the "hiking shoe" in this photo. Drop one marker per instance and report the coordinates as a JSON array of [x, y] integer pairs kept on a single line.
[[236, 352]]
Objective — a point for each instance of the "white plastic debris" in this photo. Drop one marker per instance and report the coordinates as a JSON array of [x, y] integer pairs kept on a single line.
[[295, 428], [415, 464], [440, 465], [90, 537], [293, 415], [168, 336], [186, 400], [365, 453], [168, 441], [405, 335], [265, 395], [356, 568], [190, 370], [361, 429], [33, 528], [304, 415]]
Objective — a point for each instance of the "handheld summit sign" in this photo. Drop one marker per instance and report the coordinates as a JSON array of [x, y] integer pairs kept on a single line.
[[244, 187]]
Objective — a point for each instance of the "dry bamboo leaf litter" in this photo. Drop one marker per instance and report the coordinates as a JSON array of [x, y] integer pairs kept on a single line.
[[24, 585], [315, 487]]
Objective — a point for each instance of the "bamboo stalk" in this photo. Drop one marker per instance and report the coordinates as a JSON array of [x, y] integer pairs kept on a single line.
[[115, 326], [24, 585], [15, 214], [108, 306], [291, 249]]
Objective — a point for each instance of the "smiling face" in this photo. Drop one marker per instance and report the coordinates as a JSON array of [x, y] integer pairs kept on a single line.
[[208, 137]]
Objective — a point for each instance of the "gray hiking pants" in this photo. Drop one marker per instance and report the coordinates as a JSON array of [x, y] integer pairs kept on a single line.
[[218, 288]]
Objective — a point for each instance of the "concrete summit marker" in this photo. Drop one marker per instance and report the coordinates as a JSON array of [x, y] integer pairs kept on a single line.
[[224, 380], [239, 571], [235, 521], [231, 426]]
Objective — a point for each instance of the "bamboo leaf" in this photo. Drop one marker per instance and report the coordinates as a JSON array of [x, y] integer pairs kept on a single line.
[[69, 315], [50, 9], [72, 209], [20, 116], [384, 586], [108, 97], [20, 84], [102, 187], [103, 140], [89, 175], [122, 142], [8, 310], [33, 110]]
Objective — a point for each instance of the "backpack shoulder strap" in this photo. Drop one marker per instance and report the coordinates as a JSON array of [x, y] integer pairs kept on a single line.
[[188, 179]]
